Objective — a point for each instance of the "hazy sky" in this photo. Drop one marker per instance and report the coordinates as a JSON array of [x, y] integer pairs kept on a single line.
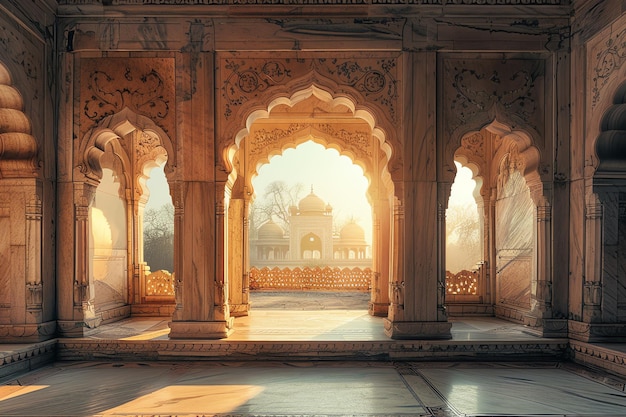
[[335, 179]]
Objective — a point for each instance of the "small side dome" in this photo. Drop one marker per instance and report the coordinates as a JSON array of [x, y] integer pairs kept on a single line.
[[352, 231], [271, 230]]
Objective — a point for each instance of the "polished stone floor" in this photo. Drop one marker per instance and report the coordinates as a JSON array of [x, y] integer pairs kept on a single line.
[[311, 388]]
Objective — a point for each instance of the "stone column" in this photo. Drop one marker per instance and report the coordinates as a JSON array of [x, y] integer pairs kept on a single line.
[[379, 299], [237, 264], [75, 294], [201, 311], [416, 311], [540, 320]]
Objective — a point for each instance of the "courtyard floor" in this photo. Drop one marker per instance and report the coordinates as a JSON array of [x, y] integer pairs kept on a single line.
[[331, 388]]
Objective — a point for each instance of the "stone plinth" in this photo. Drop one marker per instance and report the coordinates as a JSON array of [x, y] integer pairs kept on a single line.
[[201, 329], [418, 329]]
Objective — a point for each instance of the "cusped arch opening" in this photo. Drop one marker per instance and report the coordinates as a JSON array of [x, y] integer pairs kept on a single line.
[[340, 102]]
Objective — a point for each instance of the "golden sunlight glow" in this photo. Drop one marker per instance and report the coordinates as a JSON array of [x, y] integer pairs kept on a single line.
[[11, 391], [335, 179], [190, 399]]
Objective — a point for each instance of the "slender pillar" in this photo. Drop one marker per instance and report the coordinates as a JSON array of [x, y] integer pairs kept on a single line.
[[74, 245]]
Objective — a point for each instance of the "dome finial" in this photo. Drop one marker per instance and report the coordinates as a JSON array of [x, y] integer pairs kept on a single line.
[[311, 188]]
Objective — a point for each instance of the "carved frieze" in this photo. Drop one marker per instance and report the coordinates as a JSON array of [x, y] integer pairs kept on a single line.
[[319, 2], [481, 88], [143, 85], [358, 142]]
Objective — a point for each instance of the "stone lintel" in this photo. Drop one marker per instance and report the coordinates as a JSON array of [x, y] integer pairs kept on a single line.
[[201, 329], [418, 329]]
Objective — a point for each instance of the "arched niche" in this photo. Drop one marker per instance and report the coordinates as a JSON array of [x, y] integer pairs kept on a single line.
[[511, 200], [132, 146]]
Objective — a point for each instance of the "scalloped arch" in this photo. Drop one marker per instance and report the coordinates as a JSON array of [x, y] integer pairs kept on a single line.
[[527, 151], [18, 148], [319, 137], [115, 127]]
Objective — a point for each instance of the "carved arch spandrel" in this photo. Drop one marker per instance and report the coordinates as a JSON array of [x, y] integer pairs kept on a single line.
[[18, 148], [248, 88], [503, 90], [144, 86]]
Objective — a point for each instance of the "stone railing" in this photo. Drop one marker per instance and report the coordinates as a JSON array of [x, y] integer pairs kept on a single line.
[[462, 283], [322, 279], [159, 286]]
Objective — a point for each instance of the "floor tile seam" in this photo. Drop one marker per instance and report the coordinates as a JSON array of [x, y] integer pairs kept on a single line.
[[439, 394]]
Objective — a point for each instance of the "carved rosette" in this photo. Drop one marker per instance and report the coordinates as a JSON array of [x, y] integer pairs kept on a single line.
[[143, 85]]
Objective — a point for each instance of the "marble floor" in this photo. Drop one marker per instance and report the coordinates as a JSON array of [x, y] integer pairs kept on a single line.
[[313, 388]]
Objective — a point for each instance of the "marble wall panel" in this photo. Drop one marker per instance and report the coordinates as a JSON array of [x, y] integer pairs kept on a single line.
[[515, 221]]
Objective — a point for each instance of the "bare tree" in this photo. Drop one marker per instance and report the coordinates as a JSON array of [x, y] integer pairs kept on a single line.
[[275, 203], [158, 238]]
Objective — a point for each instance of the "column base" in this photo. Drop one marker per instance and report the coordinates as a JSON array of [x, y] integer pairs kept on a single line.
[[536, 326], [378, 309], [239, 310], [597, 332], [27, 333], [418, 329], [201, 329], [77, 328]]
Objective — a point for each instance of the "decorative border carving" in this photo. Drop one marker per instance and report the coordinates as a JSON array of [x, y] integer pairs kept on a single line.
[[322, 2], [607, 62], [476, 86], [374, 77]]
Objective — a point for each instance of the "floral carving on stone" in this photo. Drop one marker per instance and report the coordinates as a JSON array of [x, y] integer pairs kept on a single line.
[[477, 86], [375, 78], [475, 144], [13, 46], [607, 61], [358, 142], [143, 85]]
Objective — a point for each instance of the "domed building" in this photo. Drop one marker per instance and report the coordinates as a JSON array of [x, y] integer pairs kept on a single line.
[[310, 239]]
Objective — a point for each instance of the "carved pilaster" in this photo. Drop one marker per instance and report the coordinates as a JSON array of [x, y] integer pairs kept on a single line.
[[34, 294], [541, 286], [176, 191], [592, 294], [396, 282], [83, 291]]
